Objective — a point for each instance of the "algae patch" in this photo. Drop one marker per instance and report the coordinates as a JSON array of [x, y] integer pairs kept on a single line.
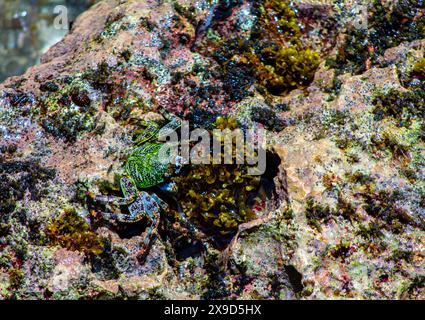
[[71, 231]]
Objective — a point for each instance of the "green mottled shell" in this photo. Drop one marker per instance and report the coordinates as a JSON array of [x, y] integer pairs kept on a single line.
[[144, 166]]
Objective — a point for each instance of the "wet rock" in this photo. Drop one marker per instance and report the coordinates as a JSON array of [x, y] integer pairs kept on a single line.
[[340, 213]]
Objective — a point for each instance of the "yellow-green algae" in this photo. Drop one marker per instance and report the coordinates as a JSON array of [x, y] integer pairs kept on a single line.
[[284, 63], [217, 195], [71, 231]]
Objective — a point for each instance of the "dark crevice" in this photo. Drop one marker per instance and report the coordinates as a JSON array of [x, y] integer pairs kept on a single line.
[[295, 278]]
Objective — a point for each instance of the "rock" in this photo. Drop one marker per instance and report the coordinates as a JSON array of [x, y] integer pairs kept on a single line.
[[4, 284], [356, 90], [69, 271], [340, 210]]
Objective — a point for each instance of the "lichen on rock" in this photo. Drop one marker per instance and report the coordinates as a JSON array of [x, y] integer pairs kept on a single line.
[[339, 212]]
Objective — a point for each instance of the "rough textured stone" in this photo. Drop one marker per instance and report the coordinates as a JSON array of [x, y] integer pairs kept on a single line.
[[348, 220]]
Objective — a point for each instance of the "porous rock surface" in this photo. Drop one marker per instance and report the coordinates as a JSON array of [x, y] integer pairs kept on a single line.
[[339, 231]]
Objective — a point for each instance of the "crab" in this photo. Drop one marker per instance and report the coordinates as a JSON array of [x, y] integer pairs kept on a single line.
[[144, 169]]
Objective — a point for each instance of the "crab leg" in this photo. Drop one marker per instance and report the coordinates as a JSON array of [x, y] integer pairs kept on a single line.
[[194, 231], [129, 191], [150, 132], [115, 200], [151, 208], [161, 203], [120, 217], [149, 237]]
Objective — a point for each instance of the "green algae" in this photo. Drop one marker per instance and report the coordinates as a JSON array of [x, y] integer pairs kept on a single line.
[[71, 231], [388, 26], [404, 139], [16, 278], [419, 67], [278, 16], [403, 107], [281, 63], [286, 69], [316, 213], [383, 205], [274, 52], [218, 195]]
